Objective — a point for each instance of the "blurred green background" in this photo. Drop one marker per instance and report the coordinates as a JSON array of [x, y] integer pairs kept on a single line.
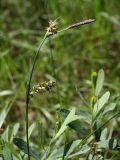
[[76, 53]]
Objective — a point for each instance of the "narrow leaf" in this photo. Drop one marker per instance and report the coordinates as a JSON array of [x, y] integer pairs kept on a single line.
[[77, 125], [22, 145], [3, 115], [73, 146], [83, 151], [100, 103], [30, 130], [66, 149], [56, 154], [104, 134], [41, 134], [100, 80], [112, 143], [7, 154], [5, 135], [108, 144], [97, 132], [109, 108], [71, 117], [12, 150], [14, 131], [93, 79]]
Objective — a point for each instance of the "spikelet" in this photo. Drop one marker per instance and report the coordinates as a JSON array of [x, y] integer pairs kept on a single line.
[[52, 28], [81, 23], [42, 87]]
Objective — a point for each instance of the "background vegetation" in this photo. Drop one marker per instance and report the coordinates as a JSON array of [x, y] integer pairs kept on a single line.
[[76, 54]]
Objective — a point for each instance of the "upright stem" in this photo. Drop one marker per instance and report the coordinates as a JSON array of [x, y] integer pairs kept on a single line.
[[51, 31], [28, 91]]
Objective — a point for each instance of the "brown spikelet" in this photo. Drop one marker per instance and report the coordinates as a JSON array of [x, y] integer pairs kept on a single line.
[[52, 28], [81, 23]]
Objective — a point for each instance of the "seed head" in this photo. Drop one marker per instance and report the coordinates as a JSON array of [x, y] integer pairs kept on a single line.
[[42, 87], [52, 28]]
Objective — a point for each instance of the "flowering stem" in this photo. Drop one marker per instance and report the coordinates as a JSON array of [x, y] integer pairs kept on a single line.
[[28, 91], [51, 30]]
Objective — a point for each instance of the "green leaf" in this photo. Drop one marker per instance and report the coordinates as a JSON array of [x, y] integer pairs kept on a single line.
[[91, 157], [12, 150], [3, 115], [93, 79], [14, 131], [112, 143], [64, 113], [104, 134], [7, 154], [5, 135], [95, 157], [30, 130], [82, 151], [4, 53], [109, 108], [97, 132], [41, 133], [66, 149], [56, 154], [73, 146], [108, 144], [92, 102], [100, 103], [100, 80], [77, 125], [71, 117], [6, 93], [22, 145]]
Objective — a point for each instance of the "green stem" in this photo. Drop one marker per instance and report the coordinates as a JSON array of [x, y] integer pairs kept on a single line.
[[28, 91]]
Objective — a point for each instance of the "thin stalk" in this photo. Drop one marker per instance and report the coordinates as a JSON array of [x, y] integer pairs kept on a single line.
[[28, 91]]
